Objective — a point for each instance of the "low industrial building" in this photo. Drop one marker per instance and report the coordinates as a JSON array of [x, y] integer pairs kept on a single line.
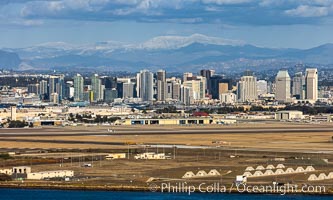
[[48, 123], [6, 171], [176, 121], [113, 156], [50, 174], [321, 118], [151, 156], [21, 170], [289, 115]]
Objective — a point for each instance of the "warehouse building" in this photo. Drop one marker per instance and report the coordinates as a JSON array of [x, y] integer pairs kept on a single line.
[[289, 115], [114, 156], [21, 170], [50, 174], [176, 121], [6, 171]]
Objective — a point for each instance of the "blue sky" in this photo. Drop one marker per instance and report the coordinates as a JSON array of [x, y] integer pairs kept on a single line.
[[270, 23]]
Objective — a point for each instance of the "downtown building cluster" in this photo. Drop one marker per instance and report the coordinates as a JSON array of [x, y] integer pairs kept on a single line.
[[298, 89], [147, 86], [206, 87]]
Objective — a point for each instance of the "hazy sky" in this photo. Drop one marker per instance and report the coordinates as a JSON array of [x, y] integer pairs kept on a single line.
[[270, 23]]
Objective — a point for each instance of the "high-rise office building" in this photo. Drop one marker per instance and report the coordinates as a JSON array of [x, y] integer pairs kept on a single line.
[[56, 85], [43, 89], [219, 85], [261, 87], [145, 85], [223, 88], [197, 86], [110, 95], [186, 95], [34, 89], [96, 88], [53, 80], [187, 76], [128, 90], [120, 89], [169, 89], [228, 98], [176, 90], [69, 90], [173, 88], [161, 85], [247, 88], [282, 82], [109, 82], [311, 84], [207, 73], [298, 89], [78, 88], [54, 98]]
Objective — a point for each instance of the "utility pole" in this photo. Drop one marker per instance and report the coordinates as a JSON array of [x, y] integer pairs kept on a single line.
[[128, 151]]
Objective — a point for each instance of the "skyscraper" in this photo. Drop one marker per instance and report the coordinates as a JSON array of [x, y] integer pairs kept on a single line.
[[43, 89], [110, 95], [78, 87], [261, 87], [187, 76], [207, 73], [145, 87], [247, 88], [56, 85], [110, 82], [173, 88], [197, 86], [282, 81], [128, 90], [298, 89], [186, 95], [216, 88], [69, 89], [161, 85], [96, 88], [34, 89], [176, 90], [311, 84]]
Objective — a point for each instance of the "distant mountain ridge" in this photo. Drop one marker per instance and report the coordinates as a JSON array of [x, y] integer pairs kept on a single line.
[[9, 60], [176, 53]]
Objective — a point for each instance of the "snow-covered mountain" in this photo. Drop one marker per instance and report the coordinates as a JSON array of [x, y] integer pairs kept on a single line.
[[170, 52], [176, 42], [52, 49]]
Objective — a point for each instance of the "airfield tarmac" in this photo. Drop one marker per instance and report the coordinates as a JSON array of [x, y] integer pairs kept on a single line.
[[228, 149], [276, 137]]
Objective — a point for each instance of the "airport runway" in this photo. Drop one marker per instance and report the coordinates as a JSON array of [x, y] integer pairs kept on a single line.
[[180, 146], [30, 132]]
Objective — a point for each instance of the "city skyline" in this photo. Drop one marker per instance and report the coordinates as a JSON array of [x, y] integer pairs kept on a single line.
[[259, 22], [126, 99], [190, 89]]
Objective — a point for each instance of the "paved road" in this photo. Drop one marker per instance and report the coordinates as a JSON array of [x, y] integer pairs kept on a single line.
[[30, 133]]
